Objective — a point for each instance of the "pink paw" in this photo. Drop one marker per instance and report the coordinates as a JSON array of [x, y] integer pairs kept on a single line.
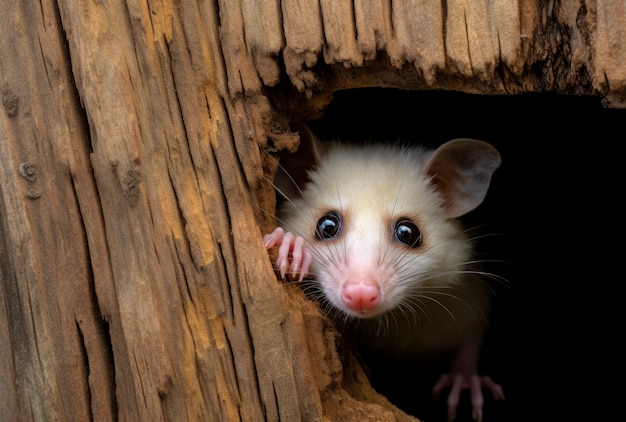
[[474, 383], [293, 257]]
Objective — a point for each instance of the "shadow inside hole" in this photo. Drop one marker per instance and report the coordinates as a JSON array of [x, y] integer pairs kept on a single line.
[[526, 214]]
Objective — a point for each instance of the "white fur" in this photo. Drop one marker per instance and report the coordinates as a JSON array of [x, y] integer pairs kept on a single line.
[[371, 187]]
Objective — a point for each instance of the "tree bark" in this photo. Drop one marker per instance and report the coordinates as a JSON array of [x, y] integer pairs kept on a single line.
[[134, 283]]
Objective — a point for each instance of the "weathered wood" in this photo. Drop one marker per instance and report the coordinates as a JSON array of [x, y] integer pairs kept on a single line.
[[54, 345], [608, 51], [134, 284], [483, 46]]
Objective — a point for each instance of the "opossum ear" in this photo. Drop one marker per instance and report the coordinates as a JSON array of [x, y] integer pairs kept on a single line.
[[461, 170], [311, 149], [294, 166]]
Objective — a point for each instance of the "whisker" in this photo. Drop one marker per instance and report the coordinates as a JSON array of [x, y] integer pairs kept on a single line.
[[286, 173], [283, 194]]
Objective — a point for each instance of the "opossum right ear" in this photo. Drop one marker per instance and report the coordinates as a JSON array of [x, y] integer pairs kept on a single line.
[[461, 170], [292, 175]]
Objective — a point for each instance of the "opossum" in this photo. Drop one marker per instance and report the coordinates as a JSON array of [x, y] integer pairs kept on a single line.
[[375, 227]]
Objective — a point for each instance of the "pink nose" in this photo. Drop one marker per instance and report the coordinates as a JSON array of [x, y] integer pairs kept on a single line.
[[360, 295]]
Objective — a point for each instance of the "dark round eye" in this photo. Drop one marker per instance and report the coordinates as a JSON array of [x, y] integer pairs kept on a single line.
[[329, 226], [405, 231]]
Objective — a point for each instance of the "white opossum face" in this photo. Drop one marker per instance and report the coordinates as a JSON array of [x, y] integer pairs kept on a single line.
[[379, 230]]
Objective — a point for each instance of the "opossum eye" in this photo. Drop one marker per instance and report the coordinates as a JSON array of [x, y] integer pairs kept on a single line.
[[405, 231], [329, 226]]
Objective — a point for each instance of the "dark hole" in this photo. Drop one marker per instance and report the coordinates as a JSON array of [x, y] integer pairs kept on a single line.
[[543, 205]]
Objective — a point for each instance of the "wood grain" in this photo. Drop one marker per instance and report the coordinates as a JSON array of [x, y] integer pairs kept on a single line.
[[135, 143]]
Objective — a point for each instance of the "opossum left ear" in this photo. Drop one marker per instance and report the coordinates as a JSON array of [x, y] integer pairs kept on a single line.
[[461, 170], [294, 166]]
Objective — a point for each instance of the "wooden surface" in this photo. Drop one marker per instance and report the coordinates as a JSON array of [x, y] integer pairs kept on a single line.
[[133, 194]]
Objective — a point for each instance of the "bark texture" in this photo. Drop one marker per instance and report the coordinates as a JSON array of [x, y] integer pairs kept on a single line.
[[134, 284]]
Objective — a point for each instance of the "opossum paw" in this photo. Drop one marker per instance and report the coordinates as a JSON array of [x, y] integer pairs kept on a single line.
[[472, 382], [293, 256]]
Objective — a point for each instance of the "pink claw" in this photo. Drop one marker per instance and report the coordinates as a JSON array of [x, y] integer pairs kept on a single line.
[[293, 257], [472, 382]]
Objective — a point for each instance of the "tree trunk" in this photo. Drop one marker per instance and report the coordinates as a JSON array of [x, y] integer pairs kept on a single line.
[[134, 283]]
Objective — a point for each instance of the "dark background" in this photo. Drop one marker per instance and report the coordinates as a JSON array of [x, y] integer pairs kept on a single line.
[[551, 207]]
